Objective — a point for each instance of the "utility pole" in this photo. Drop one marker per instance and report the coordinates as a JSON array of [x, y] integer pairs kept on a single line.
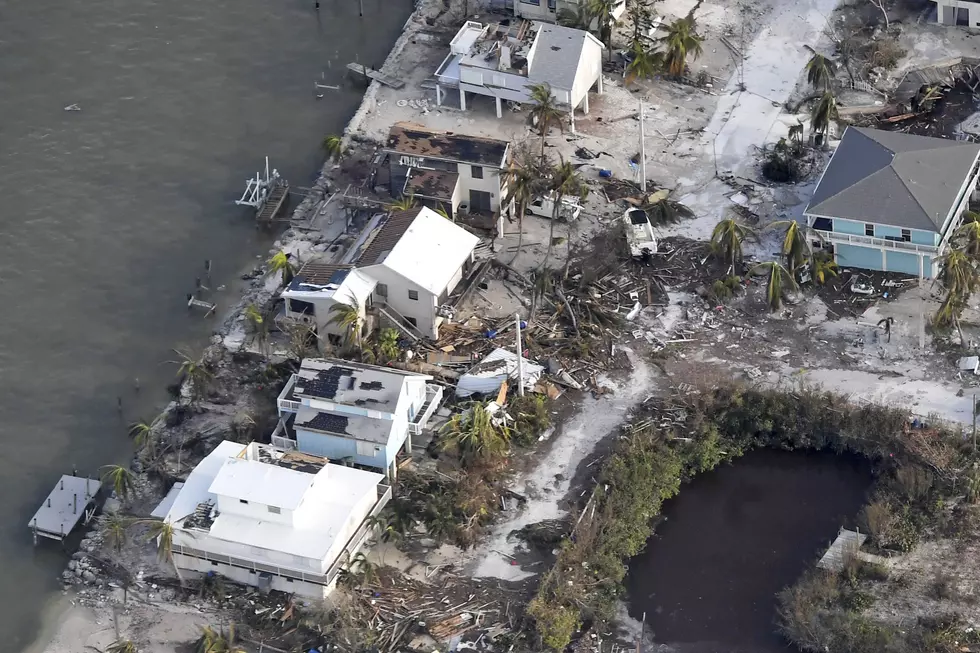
[[643, 154], [520, 357], [974, 422]]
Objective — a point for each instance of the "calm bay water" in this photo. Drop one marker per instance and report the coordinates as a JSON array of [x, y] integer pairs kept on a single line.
[[107, 214]]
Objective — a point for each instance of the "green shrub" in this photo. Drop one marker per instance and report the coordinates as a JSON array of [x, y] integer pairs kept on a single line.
[[532, 417]]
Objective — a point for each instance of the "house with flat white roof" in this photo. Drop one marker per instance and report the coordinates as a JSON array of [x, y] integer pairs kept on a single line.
[[271, 519], [364, 414], [504, 61], [549, 9]]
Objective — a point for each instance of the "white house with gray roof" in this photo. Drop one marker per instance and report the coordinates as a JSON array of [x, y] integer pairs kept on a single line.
[[890, 201], [549, 9], [357, 413], [504, 61]]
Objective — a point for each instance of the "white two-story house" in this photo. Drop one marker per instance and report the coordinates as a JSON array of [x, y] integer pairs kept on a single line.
[[446, 170], [271, 519], [354, 412], [318, 288]]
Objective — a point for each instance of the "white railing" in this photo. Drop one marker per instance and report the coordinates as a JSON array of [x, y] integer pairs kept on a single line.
[[288, 404], [433, 397], [838, 237], [286, 444]]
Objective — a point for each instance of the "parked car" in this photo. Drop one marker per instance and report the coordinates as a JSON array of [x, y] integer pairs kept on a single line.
[[639, 233], [544, 207]]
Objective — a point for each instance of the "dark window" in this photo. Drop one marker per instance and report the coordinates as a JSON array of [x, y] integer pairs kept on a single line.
[[413, 294], [531, 2], [551, 5], [251, 571], [907, 235], [869, 230], [412, 321], [382, 290], [213, 563], [477, 172], [275, 510], [298, 306], [242, 501], [289, 580]]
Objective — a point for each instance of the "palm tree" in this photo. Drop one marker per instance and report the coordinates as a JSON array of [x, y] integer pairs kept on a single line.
[[333, 145], [122, 646], [522, 184], [779, 278], [824, 267], [663, 210], [796, 248], [681, 42], [142, 432], [602, 12], [217, 641], [545, 111], [641, 17], [115, 530], [823, 113], [257, 324], [958, 273], [388, 345], [726, 241], [474, 437], [403, 203], [195, 372], [575, 19], [564, 181], [969, 233], [644, 62], [119, 479], [280, 263], [347, 316], [820, 72], [163, 533]]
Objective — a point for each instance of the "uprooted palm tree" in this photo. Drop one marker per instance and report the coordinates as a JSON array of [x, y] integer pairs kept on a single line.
[[726, 241], [824, 112], [280, 263], [475, 438], [122, 646], [682, 41], [403, 203], [644, 62], [333, 145], [795, 248], [968, 234], [824, 267], [194, 371], [662, 210], [346, 315], [545, 111], [217, 641], [119, 479], [820, 72], [779, 280]]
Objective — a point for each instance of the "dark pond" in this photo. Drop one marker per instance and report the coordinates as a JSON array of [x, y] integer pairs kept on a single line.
[[732, 539]]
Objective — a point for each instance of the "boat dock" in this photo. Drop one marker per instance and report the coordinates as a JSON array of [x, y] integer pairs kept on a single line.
[[847, 542], [371, 73], [71, 501], [274, 202]]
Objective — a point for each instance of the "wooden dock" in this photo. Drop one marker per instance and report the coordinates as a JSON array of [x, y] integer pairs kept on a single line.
[[274, 203], [847, 542], [378, 76], [71, 501]]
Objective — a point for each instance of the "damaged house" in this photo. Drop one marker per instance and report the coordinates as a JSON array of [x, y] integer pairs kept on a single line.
[[890, 201], [448, 171], [504, 61], [271, 519], [354, 412]]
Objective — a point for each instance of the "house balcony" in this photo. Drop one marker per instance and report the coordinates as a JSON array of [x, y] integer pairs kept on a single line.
[[286, 401], [283, 437], [433, 397], [881, 243]]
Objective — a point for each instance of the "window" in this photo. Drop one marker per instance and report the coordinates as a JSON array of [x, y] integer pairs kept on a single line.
[[413, 294], [289, 580], [364, 448], [412, 321], [478, 170], [214, 564], [532, 2], [243, 501], [907, 235], [251, 571], [275, 510], [382, 290], [869, 230]]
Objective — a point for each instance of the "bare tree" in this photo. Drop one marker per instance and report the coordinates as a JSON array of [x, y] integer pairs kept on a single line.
[[880, 4]]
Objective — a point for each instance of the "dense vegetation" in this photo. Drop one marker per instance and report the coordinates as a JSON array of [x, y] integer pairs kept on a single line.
[[919, 470]]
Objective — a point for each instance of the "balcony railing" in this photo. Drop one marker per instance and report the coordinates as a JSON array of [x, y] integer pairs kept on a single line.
[[283, 402], [854, 239], [433, 397], [361, 535]]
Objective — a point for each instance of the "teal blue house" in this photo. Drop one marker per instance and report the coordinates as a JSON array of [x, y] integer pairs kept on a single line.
[[890, 201]]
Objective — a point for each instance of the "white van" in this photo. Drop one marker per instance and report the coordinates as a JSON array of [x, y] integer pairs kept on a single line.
[[639, 233]]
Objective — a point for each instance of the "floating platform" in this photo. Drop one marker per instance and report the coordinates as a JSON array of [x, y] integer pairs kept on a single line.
[[371, 73], [846, 542], [71, 501]]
